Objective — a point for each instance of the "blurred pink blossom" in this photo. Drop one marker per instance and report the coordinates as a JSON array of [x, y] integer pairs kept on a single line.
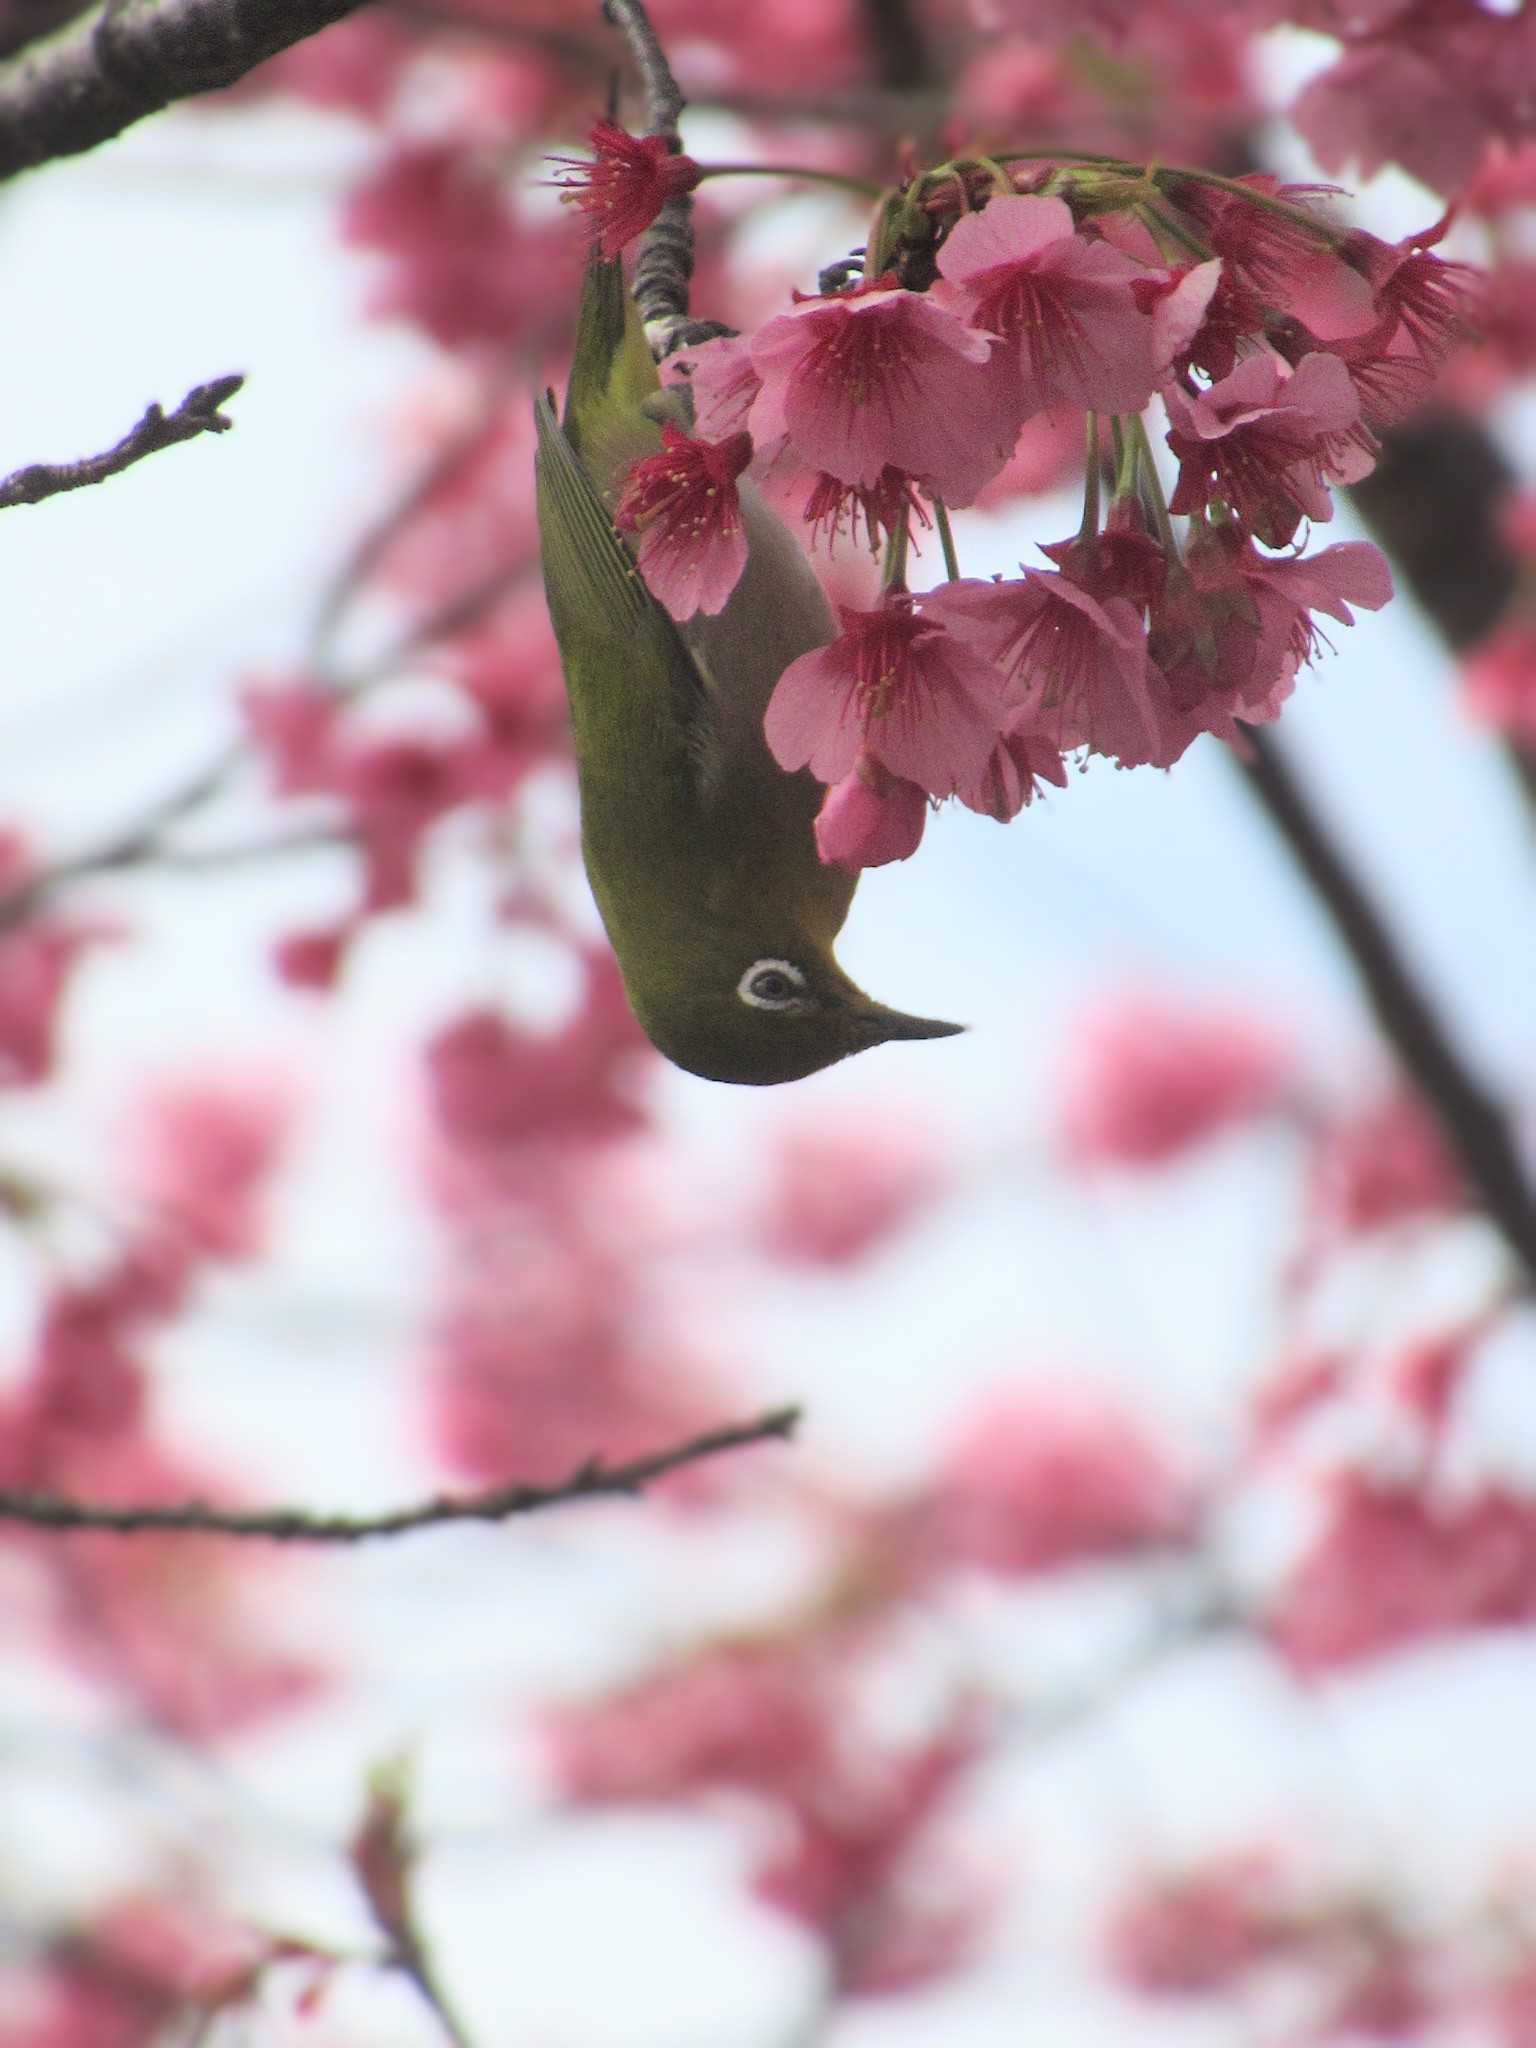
[[1390, 1567], [1039, 1478], [1197, 1932], [1147, 1078], [840, 1192]]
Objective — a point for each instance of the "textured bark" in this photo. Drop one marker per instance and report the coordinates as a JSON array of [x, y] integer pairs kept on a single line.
[[131, 58]]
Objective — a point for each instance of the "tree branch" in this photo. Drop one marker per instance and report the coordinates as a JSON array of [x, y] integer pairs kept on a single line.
[[1475, 1131], [198, 413], [664, 263], [591, 1481], [140, 841], [130, 58]]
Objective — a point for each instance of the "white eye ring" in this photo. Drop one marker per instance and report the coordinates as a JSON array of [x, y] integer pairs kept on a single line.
[[773, 985]]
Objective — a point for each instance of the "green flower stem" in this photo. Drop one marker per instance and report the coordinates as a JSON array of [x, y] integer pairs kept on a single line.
[[1160, 223], [1266, 203], [893, 575], [1137, 429], [861, 187], [1127, 452], [1069, 156], [946, 539], [1091, 465]]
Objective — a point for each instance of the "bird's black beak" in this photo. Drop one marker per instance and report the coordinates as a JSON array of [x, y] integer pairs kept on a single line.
[[888, 1024]]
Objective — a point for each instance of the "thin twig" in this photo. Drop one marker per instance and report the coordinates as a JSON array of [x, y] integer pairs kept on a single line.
[[245, 853], [1475, 1131], [416, 1965], [591, 1481], [198, 413], [141, 841], [664, 264]]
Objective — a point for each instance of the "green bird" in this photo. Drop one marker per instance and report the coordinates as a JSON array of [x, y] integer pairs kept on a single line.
[[698, 846]]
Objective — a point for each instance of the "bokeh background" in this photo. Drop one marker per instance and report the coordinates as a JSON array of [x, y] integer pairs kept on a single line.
[[1134, 1637]]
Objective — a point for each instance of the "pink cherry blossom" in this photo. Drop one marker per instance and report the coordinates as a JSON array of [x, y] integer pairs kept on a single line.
[[1021, 760], [1076, 670], [397, 789], [458, 261], [1391, 1566], [880, 377], [685, 507], [181, 1948], [531, 1367], [1200, 1930], [1179, 309], [750, 1716], [843, 1191], [626, 183], [1267, 249], [1148, 1077], [312, 957], [723, 383], [1498, 681], [204, 1152], [1259, 608], [1063, 305], [1433, 301], [1234, 318], [39, 958], [1267, 440], [879, 508], [493, 1083], [860, 1837], [896, 687], [870, 818], [1386, 101], [1385, 1164], [1045, 1477], [293, 723]]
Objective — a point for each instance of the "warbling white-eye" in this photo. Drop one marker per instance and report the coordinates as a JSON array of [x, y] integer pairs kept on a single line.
[[698, 846]]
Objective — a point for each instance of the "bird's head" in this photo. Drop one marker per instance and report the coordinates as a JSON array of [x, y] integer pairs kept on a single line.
[[770, 1014]]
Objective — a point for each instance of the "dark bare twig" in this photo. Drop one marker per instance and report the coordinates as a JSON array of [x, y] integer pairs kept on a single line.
[[135, 843], [198, 413], [1435, 501], [218, 858], [592, 1481], [902, 56], [1475, 1131], [664, 264]]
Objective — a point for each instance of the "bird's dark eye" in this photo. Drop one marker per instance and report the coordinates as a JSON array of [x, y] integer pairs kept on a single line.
[[772, 985]]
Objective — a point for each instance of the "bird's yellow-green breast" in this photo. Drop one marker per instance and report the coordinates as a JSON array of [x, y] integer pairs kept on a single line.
[[699, 847]]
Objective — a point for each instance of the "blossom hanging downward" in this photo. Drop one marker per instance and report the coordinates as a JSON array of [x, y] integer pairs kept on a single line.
[[1076, 669], [1064, 306], [628, 181], [685, 507], [870, 818], [1267, 441], [894, 688], [879, 377]]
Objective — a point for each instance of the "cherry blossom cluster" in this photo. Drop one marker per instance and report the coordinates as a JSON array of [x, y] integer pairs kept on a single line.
[[1276, 343]]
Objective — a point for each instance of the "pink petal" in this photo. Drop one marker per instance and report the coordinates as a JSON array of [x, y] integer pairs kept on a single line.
[[1006, 231], [810, 721], [867, 821], [692, 574]]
